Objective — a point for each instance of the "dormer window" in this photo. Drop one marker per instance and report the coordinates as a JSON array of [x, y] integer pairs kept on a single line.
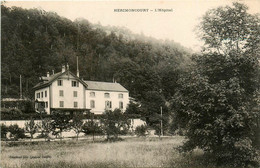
[[60, 82], [74, 83], [107, 95]]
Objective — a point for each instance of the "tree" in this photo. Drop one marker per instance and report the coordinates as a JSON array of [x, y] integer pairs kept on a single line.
[[46, 127], [133, 108], [60, 123], [230, 28], [151, 107], [218, 115], [77, 123], [31, 127], [114, 123], [91, 127], [216, 103]]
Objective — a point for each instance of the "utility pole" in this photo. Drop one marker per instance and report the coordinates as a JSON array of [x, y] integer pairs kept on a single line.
[[161, 123], [21, 96], [77, 67]]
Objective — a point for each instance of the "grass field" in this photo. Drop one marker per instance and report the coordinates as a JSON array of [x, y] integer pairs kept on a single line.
[[132, 152]]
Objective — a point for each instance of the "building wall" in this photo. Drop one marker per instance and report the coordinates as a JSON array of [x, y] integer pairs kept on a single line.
[[68, 95], [21, 123], [44, 97], [100, 100]]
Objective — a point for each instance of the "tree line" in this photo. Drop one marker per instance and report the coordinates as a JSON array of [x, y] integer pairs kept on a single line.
[[35, 42], [111, 124]]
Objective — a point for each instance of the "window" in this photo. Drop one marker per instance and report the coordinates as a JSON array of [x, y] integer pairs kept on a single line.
[[42, 94], [107, 95], [121, 105], [120, 95], [75, 104], [61, 93], [61, 103], [46, 104], [38, 95], [92, 94], [92, 104], [45, 93], [60, 82], [74, 83], [75, 94], [108, 104]]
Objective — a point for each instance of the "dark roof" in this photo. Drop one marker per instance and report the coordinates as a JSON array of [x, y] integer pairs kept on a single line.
[[105, 86], [48, 80]]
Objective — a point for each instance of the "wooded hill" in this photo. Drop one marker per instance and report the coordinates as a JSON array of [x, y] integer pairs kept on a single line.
[[35, 42]]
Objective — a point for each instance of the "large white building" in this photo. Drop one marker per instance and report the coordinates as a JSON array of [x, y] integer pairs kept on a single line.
[[66, 91]]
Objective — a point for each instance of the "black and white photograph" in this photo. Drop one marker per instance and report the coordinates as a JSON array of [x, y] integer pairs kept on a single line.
[[121, 83]]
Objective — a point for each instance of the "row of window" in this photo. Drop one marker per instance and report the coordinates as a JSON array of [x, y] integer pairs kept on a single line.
[[73, 83], [61, 93], [106, 95], [40, 94], [92, 94], [108, 104], [62, 104], [75, 94]]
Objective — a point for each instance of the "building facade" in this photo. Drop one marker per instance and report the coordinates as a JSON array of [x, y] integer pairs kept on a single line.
[[66, 91]]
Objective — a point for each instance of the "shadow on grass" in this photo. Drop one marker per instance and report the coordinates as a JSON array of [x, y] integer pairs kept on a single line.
[[64, 164], [196, 159]]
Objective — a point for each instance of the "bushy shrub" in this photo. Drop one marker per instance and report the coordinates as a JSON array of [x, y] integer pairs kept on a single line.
[[4, 130], [141, 130], [114, 123], [16, 132], [92, 127], [60, 123]]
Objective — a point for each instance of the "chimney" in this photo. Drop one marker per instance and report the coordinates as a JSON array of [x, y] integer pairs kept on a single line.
[[63, 68], [52, 72], [48, 74], [77, 67]]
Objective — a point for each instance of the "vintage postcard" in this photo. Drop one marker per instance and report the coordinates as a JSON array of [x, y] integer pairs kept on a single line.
[[130, 83]]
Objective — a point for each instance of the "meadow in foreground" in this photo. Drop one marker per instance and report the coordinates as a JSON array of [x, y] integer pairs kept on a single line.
[[132, 152]]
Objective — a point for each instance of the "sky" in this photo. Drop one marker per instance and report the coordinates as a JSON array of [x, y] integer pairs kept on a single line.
[[178, 24]]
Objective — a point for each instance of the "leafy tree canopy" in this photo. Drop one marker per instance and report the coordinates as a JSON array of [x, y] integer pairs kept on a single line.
[[219, 95], [228, 28]]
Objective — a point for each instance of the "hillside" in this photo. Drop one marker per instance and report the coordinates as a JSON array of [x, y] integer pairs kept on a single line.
[[35, 42]]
